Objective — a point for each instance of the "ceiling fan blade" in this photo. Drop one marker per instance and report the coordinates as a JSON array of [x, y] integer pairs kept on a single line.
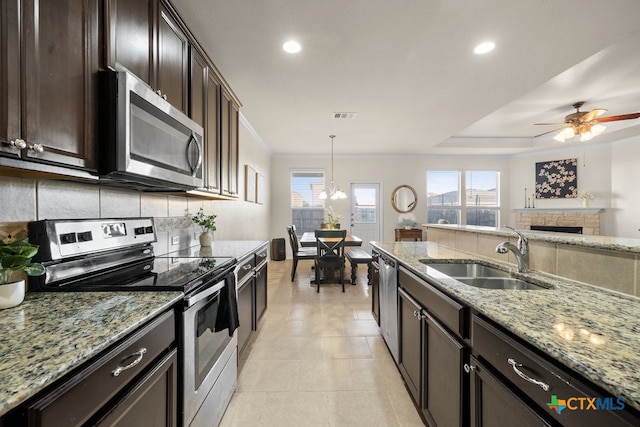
[[549, 124], [588, 116], [616, 118], [551, 131]]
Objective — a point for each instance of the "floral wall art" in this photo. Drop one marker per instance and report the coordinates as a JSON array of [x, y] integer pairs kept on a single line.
[[557, 179]]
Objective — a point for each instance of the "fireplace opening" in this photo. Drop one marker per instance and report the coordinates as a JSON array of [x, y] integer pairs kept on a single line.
[[557, 229]]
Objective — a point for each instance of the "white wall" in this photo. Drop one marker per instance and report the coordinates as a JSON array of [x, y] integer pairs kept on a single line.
[[610, 171], [391, 171], [625, 188]]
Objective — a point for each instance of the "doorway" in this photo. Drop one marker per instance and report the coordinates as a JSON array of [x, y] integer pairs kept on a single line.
[[366, 215]]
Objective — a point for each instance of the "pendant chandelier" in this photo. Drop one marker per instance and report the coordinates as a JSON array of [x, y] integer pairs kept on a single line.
[[334, 192]]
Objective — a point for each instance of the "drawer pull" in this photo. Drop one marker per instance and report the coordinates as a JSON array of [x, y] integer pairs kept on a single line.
[[139, 355], [515, 365], [247, 267], [469, 368]]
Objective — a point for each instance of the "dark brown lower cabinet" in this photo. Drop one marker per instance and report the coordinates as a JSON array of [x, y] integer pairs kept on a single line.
[[152, 402], [444, 400], [261, 292], [245, 313], [493, 404], [411, 343], [133, 384]]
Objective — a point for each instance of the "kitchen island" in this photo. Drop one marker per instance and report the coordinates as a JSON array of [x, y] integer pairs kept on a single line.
[[590, 330]]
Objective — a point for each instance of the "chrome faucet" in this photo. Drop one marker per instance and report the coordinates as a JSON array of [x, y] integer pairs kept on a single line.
[[521, 251]]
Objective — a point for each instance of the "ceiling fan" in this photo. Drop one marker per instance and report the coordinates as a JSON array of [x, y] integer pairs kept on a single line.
[[585, 124]]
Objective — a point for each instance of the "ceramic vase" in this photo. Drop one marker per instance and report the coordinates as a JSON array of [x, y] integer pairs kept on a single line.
[[585, 203], [205, 239], [12, 294]]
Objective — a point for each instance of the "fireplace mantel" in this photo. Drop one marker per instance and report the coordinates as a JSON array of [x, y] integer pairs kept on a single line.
[[585, 210], [587, 218]]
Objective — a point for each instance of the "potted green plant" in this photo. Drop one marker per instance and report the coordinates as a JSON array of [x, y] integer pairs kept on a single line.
[[331, 220], [15, 256], [208, 224]]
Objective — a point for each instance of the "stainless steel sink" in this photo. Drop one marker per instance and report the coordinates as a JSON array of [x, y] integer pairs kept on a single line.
[[499, 283], [466, 269]]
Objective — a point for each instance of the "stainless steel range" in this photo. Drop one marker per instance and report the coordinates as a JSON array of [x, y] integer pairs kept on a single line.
[[117, 254]]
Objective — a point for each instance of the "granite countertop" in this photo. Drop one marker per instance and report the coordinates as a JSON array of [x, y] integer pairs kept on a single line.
[[50, 334], [591, 330], [625, 244]]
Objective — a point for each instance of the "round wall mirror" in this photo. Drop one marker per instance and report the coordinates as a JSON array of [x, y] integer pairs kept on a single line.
[[404, 198]]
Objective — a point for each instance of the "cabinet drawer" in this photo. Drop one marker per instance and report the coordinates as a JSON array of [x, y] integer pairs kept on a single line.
[[261, 256], [245, 268], [78, 399], [502, 352], [449, 312]]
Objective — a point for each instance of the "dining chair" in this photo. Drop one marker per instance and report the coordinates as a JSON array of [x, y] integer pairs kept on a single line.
[[298, 252], [330, 254]]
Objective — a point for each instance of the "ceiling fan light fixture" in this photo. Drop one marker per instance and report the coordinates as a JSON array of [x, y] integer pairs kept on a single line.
[[591, 132], [565, 134]]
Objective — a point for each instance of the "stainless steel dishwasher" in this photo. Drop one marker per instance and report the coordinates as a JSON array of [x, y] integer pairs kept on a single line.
[[389, 303]]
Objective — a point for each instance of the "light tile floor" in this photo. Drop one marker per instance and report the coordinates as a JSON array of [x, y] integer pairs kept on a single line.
[[318, 360]]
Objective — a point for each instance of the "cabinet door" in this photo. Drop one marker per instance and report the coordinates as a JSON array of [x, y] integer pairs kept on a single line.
[[229, 143], [9, 77], [172, 68], [410, 329], [493, 404], [212, 134], [245, 313], [261, 292], [129, 36], [199, 73], [153, 400], [445, 399], [60, 51]]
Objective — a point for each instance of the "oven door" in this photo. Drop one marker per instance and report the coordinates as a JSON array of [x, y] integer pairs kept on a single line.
[[206, 352]]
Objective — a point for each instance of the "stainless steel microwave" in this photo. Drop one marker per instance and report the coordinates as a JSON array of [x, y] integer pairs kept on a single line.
[[145, 142]]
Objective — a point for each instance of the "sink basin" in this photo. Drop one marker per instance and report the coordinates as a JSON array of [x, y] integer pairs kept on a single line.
[[499, 283], [467, 270]]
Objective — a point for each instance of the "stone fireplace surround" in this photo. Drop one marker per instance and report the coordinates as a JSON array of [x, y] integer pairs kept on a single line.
[[587, 218]]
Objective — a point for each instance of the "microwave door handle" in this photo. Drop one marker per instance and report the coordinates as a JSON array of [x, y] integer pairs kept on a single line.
[[194, 169]]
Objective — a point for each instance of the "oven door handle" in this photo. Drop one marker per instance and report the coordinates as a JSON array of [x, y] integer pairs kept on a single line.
[[205, 294]]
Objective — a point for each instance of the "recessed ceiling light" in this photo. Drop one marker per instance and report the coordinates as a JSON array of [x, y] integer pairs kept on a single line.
[[291, 46], [484, 47]]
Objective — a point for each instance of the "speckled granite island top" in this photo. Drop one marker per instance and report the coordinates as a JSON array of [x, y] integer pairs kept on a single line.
[[50, 334], [593, 331]]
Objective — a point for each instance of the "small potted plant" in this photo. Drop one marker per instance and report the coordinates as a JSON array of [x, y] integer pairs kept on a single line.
[[331, 220], [208, 224], [15, 256]]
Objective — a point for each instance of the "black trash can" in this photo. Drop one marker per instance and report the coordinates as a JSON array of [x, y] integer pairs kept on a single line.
[[278, 251]]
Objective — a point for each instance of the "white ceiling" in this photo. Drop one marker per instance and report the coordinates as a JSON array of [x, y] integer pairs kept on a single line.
[[407, 68]]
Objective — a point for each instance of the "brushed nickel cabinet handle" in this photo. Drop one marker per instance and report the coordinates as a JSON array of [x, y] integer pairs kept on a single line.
[[515, 365], [138, 358], [469, 368]]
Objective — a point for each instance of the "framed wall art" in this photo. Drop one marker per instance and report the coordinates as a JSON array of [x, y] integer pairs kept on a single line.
[[557, 179], [249, 184], [260, 189]]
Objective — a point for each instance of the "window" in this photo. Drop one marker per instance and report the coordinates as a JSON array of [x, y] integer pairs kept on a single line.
[[307, 209], [443, 196], [479, 206], [481, 198]]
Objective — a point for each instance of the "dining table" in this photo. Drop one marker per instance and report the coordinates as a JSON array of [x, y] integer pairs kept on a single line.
[[308, 239]]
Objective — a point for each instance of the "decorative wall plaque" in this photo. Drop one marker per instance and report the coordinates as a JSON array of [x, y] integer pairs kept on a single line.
[[557, 179]]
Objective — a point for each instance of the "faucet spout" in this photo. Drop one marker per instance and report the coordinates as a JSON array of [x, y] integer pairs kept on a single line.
[[521, 252]]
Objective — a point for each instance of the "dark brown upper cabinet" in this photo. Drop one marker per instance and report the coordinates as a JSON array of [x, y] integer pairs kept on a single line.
[[48, 65], [147, 38], [229, 144]]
